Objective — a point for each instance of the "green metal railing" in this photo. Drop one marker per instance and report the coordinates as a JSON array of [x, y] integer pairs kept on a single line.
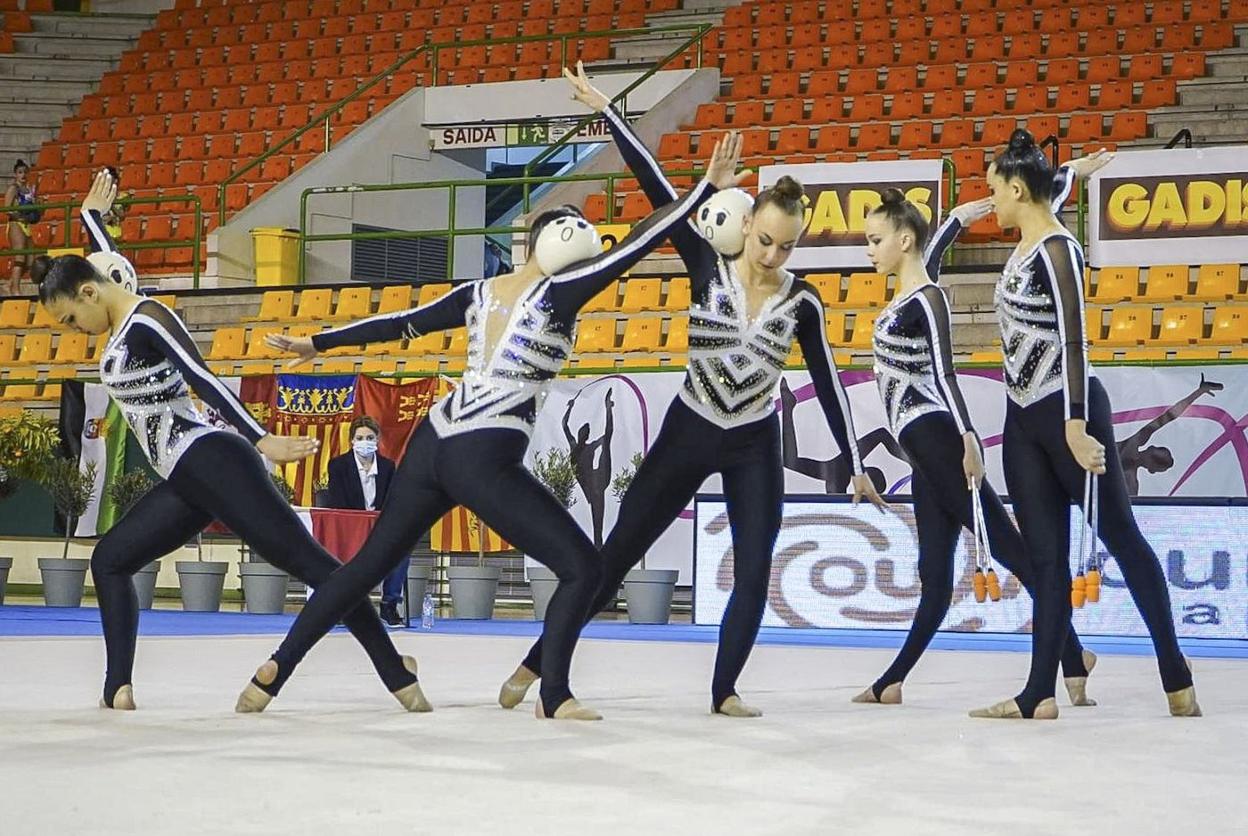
[[68, 206], [435, 51]]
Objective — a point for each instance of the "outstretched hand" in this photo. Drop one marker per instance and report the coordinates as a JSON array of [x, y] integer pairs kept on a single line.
[[282, 449], [303, 349], [584, 92], [721, 170], [1085, 167], [102, 193]]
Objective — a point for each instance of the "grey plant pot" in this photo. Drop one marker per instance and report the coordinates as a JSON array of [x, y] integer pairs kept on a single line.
[[542, 583], [145, 584], [202, 582], [6, 563], [649, 595], [473, 590], [264, 587], [414, 596], [63, 580]]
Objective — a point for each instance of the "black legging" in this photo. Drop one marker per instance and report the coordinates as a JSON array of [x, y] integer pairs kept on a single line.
[[1044, 479], [484, 471], [687, 451], [942, 509], [223, 477]]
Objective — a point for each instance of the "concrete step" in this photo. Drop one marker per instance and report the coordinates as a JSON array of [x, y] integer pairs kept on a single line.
[[1227, 124], [27, 115], [685, 17], [1231, 63], [1213, 95], [39, 43], [14, 67], [130, 26], [25, 137], [645, 47], [46, 92]]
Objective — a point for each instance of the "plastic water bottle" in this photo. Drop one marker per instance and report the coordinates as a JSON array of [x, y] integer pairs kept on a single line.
[[426, 612]]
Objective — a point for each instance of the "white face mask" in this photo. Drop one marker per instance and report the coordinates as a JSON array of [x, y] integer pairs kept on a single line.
[[365, 448]]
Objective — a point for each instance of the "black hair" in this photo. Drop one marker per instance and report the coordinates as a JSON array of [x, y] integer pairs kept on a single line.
[[61, 276], [1023, 159], [786, 195], [903, 214], [21, 164], [567, 210]]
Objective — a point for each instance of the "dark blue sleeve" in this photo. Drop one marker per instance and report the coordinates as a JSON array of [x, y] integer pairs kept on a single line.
[[443, 314]]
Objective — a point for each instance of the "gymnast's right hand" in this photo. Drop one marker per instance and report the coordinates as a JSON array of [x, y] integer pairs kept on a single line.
[[303, 349], [584, 92], [102, 193], [281, 449], [972, 211]]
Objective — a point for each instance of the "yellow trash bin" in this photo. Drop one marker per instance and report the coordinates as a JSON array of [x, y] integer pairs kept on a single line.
[[277, 255]]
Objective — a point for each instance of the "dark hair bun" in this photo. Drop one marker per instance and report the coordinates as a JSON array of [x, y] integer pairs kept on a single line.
[[787, 188], [892, 196], [1022, 141], [39, 270]]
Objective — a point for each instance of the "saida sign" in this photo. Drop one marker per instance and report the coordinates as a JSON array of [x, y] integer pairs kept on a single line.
[[527, 134]]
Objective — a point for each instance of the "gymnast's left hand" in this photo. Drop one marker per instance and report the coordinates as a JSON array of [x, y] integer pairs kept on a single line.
[[721, 171], [282, 449], [864, 489], [303, 349]]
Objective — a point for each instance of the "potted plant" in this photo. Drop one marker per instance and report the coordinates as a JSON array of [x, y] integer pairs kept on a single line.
[[27, 442], [647, 592], [72, 488], [556, 471], [264, 585], [473, 588], [125, 491]]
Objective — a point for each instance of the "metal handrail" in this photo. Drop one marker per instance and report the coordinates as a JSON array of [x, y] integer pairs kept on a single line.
[[1184, 135], [700, 32], [435, 49], [196, 241]]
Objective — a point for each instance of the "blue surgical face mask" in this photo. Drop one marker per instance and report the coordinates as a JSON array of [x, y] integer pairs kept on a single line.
[[365, 448]]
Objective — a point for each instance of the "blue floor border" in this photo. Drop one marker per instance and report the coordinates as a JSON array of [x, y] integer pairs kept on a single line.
[[46, 622]]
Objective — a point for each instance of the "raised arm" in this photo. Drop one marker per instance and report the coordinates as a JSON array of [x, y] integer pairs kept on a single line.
[[1063, 265], [450, 311], [98, 201], [958, 219], [166, 334]]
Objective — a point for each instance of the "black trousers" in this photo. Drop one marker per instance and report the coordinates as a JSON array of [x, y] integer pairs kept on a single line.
[[1044, 480], [220, 477], [687, 451], [484, 471]]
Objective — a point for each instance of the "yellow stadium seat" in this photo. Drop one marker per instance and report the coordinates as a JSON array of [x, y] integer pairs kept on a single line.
[[395, 297], [228, 344], [36, 348], [1093, 323], [378, 367], [258, 349], [1239, 352], [1197, 352], [71, 348], [1166, 283], [1116, 284], [642, 333], [1140, 355], [595, 335], [275, 305], [167, 299], [96, 349], [255, 369], [314, 305], [677, 341], [1181, 325], [678, 294], [1216, 283], [454, 365], [1129, 326], [8, 347], [14, 313], [642, 295], [834, 327], [418, 366], [353, 303], [43, 319], [221, 369], [1100, 355], [303, 330], [431, 344], [1230, 325], [336, 367], [795, 357], [433, 292], [864, 327], [458, 345], [865, 290], [604, 301], [828, 285], [993, 356]]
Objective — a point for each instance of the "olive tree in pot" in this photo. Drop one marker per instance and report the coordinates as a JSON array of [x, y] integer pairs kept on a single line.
[[647, 592], [265, 585], [72, 488], [125, 491], [27, 442], [556, 471]]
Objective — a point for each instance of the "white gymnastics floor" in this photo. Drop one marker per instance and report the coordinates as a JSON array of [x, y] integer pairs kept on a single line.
[[335, 755]]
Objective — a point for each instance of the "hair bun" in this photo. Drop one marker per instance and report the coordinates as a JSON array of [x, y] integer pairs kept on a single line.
[[892, 196], [39, 269], [788, 188], [1022, 140]]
